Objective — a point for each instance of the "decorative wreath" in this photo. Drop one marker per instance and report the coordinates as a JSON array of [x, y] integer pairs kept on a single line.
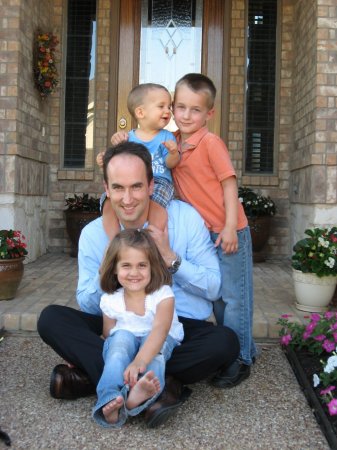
[[45, 71]]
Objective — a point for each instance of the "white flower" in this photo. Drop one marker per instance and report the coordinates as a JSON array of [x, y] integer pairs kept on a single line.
[[241, 199], [323, 242], [331, 364], [316, 380], [330, 262]]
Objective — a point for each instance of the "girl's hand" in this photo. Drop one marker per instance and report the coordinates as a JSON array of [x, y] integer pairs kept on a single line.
[[162, 242], [119, 137], [132, 372], [228, 239]]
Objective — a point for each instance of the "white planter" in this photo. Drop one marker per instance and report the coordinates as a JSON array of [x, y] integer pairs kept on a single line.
[[313, 294]]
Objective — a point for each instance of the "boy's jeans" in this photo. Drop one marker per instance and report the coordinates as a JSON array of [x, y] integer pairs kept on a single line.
[[119, 351], [235, 308]]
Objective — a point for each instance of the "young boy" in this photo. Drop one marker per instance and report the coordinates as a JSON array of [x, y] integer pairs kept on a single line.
[[205, 178], [150, 105]]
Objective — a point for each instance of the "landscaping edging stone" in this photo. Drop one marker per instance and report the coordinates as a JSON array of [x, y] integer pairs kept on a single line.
[[304, 366]]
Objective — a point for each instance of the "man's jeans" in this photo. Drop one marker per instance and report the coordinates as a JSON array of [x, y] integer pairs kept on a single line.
[[119, 351], [235, 308]]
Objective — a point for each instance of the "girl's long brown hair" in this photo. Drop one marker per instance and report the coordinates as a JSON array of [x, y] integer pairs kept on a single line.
[[139, 239]]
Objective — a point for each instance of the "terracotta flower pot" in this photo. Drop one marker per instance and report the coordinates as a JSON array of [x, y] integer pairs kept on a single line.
[[259, 230], [11, 272], [75, 221]]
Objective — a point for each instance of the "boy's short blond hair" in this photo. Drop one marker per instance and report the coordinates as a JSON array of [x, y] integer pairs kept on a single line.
[[198, 82], [137, 95]]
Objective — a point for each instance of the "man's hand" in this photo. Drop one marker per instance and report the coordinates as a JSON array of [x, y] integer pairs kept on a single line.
[[228, 239], [132, 372], [162, 242], [119, 137]]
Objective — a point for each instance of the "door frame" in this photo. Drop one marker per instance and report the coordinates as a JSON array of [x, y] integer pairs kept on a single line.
[[124, 59]]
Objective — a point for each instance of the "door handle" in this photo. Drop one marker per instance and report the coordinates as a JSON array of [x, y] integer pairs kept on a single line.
[[122, 123]]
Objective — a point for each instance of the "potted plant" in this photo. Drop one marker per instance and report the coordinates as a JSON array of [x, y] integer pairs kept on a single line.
[[314, 264], [81, 209], [12, 254], [311, 350], [259, 210]]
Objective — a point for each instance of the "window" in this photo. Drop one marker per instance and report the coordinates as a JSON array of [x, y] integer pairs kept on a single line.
[[260, 87], [80, 79]]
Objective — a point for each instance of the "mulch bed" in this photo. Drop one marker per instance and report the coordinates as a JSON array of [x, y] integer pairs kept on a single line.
[[304, 366]]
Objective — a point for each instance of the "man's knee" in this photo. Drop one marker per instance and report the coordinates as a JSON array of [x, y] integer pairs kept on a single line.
[[47, 319], [224, 344]]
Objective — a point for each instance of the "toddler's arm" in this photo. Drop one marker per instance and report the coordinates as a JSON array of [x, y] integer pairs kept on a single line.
[[154, 342], [173, 157], [99, 159], [119, 137]]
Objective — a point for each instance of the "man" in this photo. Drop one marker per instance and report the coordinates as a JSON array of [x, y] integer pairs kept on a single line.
[[189, 254]]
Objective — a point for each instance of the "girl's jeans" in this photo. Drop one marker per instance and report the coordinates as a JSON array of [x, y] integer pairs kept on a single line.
[[235, 308], [119, 351]]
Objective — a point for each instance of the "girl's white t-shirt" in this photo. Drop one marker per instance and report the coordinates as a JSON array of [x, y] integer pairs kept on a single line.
[[113, 305]]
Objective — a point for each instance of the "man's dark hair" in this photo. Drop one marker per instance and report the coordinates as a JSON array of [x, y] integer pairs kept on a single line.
[[129, 148], [198, 82]]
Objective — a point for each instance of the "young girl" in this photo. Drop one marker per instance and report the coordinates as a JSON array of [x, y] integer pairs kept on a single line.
[[140, 325]]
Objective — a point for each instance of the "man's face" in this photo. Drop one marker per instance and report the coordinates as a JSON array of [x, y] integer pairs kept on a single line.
[[128, 190]]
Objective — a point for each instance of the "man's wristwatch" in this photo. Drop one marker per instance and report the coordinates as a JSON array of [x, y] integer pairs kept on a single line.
[[175, 264]]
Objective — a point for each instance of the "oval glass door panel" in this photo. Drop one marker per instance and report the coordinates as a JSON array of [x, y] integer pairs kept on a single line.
[[171, 38]]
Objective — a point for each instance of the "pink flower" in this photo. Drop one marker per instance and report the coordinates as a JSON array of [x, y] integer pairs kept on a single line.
[[310, 327], [320, 337], [315, 317], [328, 346], [333, 326], [327, 390], [333, 407], [286, 316], [334, 336], [329, 315], [285, 340], [306, 335]]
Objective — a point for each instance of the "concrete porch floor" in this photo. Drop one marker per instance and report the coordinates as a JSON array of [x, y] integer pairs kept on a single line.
[[53, 278], [267, 411]]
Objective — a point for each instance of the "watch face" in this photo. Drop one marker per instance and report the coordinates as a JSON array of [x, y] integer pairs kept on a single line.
[[175, 264]]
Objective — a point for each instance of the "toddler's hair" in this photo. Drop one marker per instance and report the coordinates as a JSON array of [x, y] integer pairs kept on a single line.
[[137, 95], [198, 82], [139, 239]]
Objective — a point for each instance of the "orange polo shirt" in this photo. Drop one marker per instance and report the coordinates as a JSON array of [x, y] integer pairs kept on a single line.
[[204, 164]]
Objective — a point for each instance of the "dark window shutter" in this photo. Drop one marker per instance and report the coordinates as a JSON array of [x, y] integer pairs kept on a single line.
[[260, 96], [81, 17]]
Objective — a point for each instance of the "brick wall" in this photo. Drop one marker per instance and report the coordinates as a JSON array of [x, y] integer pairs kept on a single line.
[[63, 182], [313, 163], [276, 185]]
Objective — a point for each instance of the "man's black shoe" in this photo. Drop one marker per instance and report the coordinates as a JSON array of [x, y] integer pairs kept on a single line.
[[70, 383], [232, 376], [166, 405]]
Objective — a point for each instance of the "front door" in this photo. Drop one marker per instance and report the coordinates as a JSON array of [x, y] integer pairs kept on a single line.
[[161, 40]]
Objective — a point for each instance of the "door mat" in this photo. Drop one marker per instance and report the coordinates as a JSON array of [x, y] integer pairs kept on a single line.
[[304, 366]]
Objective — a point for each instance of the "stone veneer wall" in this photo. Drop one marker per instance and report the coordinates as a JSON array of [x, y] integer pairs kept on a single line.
[[313, 162], [24, 125], [276, 185]]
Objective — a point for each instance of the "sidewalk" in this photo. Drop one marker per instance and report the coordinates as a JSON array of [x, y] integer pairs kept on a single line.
[[53, 278]]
